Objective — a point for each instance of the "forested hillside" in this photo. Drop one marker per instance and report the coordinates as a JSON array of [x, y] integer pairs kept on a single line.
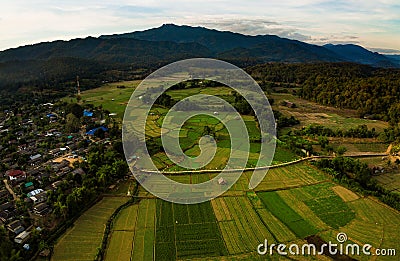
[[372, 91]]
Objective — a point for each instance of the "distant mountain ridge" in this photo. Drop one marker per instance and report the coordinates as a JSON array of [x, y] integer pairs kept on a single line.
[[358, 54], [155, 47], [262, 48]]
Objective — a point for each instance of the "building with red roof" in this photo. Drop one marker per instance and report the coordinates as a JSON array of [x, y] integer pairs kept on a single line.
[[16, 175]]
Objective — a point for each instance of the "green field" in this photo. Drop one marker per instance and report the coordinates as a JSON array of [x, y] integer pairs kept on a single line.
[[187, 231], [294, 202], [291, 203], [82, 240], [143, 241], [278, 207], [109, 96]]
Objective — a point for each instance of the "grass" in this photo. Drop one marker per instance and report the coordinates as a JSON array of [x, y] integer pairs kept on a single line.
[[277, 228], [309, 112], [291, 202], [278, 207], [327, 205], [283, 155], [359, 147], [109, 96], [82, 240], [231, 226], [193, 130]]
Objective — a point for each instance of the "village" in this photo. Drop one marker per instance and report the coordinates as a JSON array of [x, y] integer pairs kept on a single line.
[[42, 148]]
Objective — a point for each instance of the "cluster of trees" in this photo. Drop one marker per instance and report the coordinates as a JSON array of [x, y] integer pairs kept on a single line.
[[357, 175], [283, 121], [7, 252], [296, 143], [360, 131], [103, 166]]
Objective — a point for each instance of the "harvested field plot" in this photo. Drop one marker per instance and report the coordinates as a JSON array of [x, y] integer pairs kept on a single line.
[[289, 176], [241, 227], [122, 235], [345, 194], [82, 240]]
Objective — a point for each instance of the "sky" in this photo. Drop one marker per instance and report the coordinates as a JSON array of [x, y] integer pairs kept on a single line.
[[374, 24]]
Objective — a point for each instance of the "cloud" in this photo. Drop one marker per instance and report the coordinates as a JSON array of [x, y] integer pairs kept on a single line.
[[256, 26], [368, 22], [385, 51]]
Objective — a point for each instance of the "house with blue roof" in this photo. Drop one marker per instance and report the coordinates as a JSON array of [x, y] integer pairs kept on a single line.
[[93, 131]]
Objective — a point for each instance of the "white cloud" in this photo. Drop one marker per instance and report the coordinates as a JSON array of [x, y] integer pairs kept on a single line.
[[368, 22]]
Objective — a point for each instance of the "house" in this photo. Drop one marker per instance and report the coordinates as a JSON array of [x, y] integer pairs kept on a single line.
[[15, 227], [87, 113], [7, 215], [45, 253], [78, 171], [29, 185], [39, 198], [27, 247], [35, 158], [16, 175], [41, 209], [33, 172], [221, 181], [93, 131], [4, 194], [34, 192], [22, 237], [289, 104], [6, 206], [51, 116], [56, 184]]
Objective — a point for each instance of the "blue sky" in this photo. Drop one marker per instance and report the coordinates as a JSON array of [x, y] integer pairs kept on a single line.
[[374, 24]]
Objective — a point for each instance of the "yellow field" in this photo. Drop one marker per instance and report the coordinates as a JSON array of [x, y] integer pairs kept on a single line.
[[123, 232], [345, 194], [82, 240]]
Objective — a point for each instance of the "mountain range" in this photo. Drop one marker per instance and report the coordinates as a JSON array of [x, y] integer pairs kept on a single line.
[[158, 46]]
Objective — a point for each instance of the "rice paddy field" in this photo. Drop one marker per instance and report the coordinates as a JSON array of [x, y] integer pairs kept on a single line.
[[293, 203], [82, 240]]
